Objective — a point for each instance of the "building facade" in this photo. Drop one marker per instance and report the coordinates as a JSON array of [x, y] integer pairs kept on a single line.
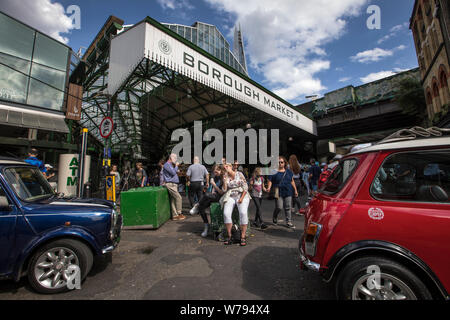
[[430, 25], [34, 71], [210, 39]]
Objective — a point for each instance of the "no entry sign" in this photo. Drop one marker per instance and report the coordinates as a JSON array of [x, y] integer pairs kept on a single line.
[[106, 127]]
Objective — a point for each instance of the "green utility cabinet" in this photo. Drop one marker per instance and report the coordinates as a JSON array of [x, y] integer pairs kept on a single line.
[[217, 223], [145, 207]]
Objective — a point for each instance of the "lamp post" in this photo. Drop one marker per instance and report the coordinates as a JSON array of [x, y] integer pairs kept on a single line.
[[82, 163], [107, 151]]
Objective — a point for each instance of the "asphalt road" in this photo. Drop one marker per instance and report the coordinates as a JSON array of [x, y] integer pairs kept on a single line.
[[174, 262]]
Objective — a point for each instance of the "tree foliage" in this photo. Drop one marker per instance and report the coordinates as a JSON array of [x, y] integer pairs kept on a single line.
[[411, 97]]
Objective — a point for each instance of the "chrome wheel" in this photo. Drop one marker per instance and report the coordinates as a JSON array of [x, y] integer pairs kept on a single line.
[[391, 288], [51, 270]]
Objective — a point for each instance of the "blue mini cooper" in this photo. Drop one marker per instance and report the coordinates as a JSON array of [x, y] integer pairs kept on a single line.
[[44, 235]]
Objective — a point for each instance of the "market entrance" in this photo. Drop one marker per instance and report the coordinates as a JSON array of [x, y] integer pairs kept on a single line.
[[157, 82]]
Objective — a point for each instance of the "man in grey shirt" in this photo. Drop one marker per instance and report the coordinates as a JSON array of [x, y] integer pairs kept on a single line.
[[196, 175]]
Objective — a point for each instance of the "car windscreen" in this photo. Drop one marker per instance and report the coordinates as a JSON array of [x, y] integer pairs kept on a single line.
[[28, 183], [341, 173]]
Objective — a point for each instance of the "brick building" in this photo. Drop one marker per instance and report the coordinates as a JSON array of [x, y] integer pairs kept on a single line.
[[430, 25]]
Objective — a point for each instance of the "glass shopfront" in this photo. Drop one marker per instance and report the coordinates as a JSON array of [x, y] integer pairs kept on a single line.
[[33, 66]]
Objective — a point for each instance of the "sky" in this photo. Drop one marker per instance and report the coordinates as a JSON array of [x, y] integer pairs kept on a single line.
[[295, 48]]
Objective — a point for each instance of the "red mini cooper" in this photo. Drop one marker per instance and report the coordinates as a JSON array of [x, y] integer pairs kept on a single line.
[[380, 227]]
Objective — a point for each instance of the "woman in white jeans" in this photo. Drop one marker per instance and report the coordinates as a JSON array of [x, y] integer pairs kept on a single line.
[[236, 193]]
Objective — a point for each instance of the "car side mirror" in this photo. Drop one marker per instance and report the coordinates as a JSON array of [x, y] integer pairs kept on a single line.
[[4, 204]]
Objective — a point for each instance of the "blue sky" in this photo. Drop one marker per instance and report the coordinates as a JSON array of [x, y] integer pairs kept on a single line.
[[294, 47]]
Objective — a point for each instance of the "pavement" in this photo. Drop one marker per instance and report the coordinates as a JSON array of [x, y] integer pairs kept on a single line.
[[175, 262]]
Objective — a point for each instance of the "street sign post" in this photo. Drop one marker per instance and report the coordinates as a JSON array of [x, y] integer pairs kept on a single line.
[[106, 127]]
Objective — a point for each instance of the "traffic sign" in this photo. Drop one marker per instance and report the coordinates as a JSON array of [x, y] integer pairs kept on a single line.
[[106, 127]]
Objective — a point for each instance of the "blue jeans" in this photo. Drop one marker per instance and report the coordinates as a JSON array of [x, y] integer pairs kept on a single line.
[[283, 203]]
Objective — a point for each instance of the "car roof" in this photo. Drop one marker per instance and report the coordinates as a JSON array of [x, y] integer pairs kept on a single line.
[[407, 144], [8, 160]]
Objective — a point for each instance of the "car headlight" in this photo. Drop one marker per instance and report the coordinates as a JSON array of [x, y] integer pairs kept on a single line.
[[114, 218], [311, 238]]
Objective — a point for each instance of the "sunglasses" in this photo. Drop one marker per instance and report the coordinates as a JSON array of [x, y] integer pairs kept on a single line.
[[280, 161]]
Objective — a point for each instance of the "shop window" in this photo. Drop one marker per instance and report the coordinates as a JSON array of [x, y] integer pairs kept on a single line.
[[16, 39], [13, 85], [15, 63], [44, 96], [53, 77], [415, 176], [49, 52]]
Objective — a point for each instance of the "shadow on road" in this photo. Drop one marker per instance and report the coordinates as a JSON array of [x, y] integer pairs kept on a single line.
[[283, 233], [12, 287], [273, 273]]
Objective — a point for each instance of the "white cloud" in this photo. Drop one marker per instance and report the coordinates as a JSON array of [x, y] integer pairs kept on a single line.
[[285, 39], [394, 31], [345, 79], [175, 4], [375, 55], [371, 55], [380, 75], [47, 17]]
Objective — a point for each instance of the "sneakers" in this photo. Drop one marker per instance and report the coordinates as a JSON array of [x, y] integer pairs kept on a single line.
[[255, 224], [275, 221], [194, 210], [261, 226], [179, 217], [205, 231], [290, 225]]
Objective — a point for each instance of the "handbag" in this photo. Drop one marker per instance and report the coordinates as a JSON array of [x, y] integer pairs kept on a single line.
[[276, 191]]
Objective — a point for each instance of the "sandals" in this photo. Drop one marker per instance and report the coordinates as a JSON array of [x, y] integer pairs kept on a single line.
[[243, 242]]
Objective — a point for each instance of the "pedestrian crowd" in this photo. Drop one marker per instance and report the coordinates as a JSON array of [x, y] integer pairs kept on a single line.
[[291, 186], [230, 185]]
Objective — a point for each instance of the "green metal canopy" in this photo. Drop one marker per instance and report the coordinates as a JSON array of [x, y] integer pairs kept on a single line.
[[148, 76]]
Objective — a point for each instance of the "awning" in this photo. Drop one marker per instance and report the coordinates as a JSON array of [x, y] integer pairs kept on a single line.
[[25, 118]]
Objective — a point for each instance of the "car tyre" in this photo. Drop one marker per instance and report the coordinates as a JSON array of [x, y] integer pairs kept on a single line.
[[396, 282], [60, 251]]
